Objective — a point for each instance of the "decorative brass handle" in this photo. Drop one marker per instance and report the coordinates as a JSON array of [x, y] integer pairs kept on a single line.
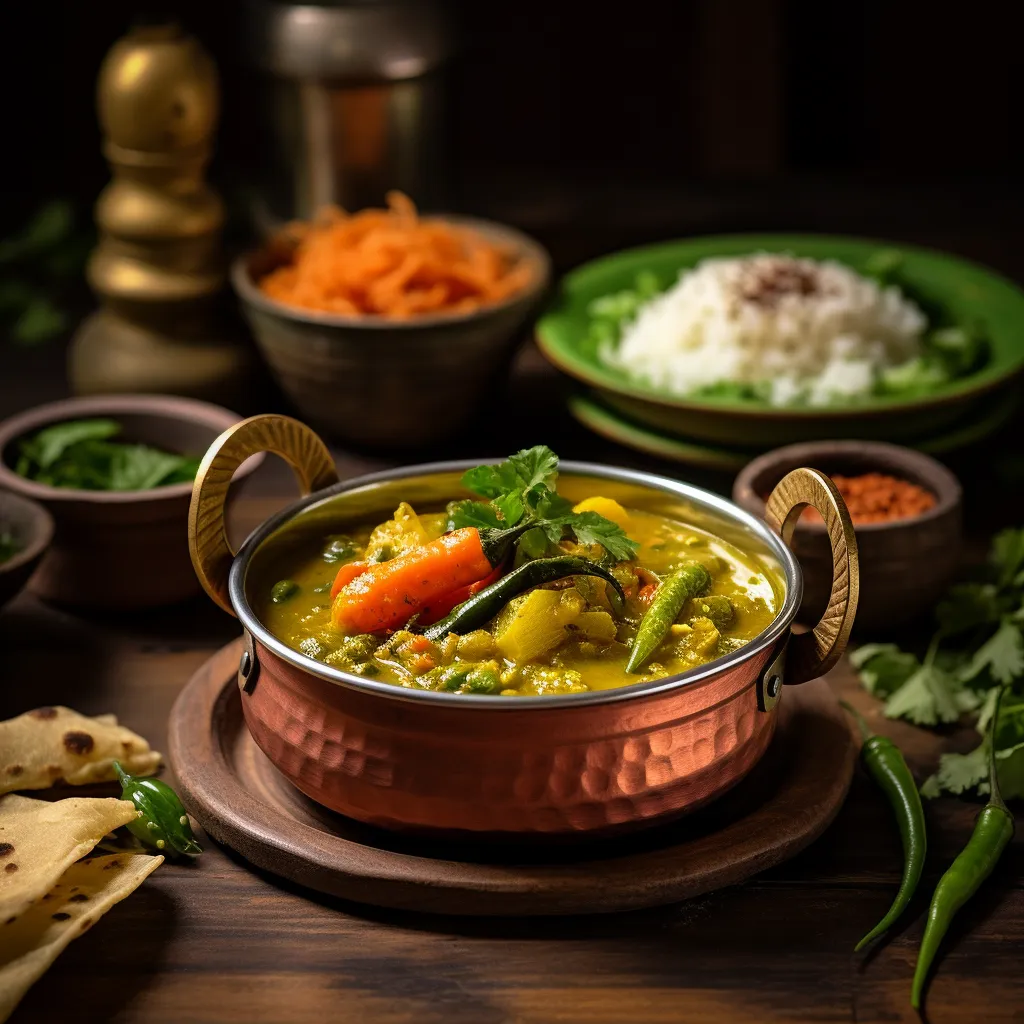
[[208, 543], [813, 654]]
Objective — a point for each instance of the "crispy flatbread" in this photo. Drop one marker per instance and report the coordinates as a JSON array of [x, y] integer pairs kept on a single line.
[[31, 942], [50, 745], [40, 840]]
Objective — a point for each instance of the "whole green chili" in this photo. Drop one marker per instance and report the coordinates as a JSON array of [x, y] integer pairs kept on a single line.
[[993, 830], [884, 763], [689, 580], [473, 613], [162, 822]]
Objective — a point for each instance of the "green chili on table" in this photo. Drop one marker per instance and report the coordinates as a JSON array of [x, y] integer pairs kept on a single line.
[[474, 612], [162, 822], [885, 764], [689, 580], [993, 830]]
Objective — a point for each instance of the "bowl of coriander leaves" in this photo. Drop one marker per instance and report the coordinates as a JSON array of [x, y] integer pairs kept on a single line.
[[115, 474]]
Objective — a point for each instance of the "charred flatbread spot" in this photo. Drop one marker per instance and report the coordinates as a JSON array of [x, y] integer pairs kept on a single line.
[[78, 898], [85, 922], [54, 769], [11, 868], [111, 864], [10, 920], [14, 770], [44, 713], [61, 916], [78, 742], [48, 896], [6, 849], [127, 745]]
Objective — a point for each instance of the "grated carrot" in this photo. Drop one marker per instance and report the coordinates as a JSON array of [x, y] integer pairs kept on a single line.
[[392, 263]]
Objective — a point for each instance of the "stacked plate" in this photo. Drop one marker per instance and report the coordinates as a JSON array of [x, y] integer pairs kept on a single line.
[[727, 432]]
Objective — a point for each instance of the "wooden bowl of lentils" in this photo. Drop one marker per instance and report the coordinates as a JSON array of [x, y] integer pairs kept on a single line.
[[907, 512]]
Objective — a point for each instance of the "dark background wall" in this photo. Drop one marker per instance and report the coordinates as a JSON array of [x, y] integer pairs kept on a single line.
[[647, 118]]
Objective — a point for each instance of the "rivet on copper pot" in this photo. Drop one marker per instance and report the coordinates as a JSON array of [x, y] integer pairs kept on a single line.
[[245, 664], [774, 685]]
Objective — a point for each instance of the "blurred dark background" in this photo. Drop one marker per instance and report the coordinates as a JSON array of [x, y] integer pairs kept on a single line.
[[598, 125]]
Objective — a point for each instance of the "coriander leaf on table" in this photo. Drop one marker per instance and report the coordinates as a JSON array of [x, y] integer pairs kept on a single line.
[[1007, 555], [883, 668], [959, 773], [968, 605], [928, 697], [1002, 655], [1010, 767]]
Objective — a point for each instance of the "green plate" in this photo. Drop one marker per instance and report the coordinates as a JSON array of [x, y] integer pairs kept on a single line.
[[969, 292], [595, 415]]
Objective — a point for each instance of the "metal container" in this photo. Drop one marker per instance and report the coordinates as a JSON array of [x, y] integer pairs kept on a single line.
[[353, 102], [439, 763]]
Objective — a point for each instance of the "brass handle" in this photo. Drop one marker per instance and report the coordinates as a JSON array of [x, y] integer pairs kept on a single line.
[[208, 543], [813, 654]]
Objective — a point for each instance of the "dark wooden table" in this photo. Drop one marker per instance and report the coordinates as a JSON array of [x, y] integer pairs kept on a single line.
[[218, 942]]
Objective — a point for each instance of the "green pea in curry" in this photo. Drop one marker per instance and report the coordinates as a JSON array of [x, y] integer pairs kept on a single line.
[[521, 594]]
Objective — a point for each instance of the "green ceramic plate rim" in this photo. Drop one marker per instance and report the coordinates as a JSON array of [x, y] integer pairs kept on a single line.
[[595, 415], [564, 352]]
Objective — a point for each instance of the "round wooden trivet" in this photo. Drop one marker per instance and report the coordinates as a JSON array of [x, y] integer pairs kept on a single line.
[[244, 802]]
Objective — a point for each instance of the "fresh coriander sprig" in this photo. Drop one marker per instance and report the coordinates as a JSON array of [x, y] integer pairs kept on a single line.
[[976, 653], [523, 488]]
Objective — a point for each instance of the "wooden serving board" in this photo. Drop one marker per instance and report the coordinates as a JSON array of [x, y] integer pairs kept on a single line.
[[241, 800]]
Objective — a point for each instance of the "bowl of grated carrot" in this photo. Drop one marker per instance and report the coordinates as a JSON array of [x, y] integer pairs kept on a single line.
[[386, 328]]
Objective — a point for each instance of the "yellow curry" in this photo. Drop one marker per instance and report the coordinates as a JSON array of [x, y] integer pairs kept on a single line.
[[518, 594]]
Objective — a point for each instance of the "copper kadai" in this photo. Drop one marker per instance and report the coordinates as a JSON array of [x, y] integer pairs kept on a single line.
[[440, 763]]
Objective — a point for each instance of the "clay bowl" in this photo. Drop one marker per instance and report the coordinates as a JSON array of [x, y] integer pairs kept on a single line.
[[391, 384], [31, 527], [118, 550], [905, 565], [436, 763]]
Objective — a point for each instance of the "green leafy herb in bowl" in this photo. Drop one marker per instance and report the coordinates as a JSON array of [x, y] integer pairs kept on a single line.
[[83, 454]]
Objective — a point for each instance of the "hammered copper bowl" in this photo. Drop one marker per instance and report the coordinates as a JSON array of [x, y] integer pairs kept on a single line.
[[420, 761]]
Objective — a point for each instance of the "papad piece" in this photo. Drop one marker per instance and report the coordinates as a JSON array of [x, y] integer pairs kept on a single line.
[[55, 744], [40, 840], [86, 891]]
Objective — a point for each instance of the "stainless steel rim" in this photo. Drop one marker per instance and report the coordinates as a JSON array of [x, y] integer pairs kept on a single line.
[[765, 640]]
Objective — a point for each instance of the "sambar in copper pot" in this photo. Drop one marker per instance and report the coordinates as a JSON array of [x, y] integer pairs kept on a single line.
[[374, 739]]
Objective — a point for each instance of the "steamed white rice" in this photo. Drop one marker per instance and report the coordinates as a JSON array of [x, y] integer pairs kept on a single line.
[[797, 330]]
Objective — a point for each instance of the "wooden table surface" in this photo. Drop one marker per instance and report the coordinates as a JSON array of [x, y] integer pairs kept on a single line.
[[217, 942]]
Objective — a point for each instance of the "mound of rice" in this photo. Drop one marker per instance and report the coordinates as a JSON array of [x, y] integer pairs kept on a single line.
[[796, 331]]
